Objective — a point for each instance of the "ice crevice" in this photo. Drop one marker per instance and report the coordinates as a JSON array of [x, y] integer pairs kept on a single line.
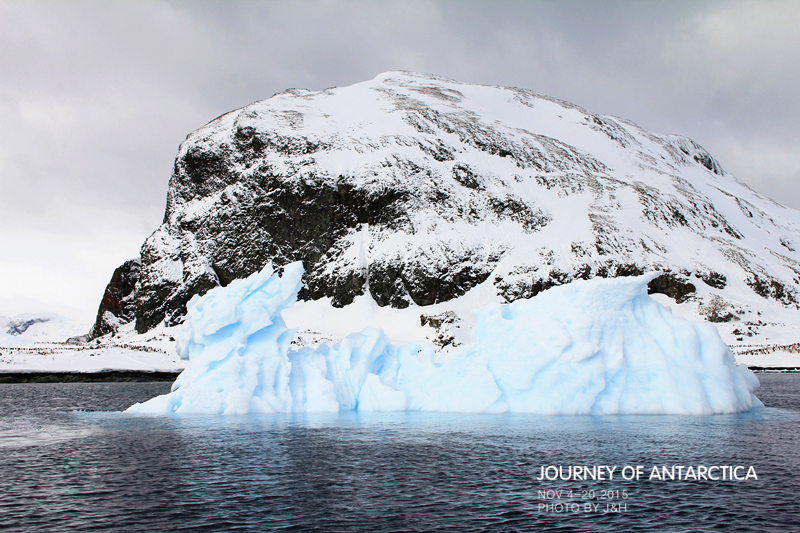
[[599, 347]]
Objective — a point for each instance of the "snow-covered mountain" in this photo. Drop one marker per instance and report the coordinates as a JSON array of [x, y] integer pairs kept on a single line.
[[411, 190], [29, 328], [50, 343]]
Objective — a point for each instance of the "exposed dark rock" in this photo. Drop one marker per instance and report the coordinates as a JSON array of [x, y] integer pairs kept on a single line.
[[465, 176], [716, 309], [443, 324], [18, 327], [770, 287], [436, 321], [118, 305], [674, 286], [528, 286], [725, 317], [621, 270], [713, 279]]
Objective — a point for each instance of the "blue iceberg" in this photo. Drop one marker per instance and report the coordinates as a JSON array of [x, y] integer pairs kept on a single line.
[[595, 347]]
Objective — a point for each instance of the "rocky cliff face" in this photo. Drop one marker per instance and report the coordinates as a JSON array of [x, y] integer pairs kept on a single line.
[[415, 189], [118, 305]]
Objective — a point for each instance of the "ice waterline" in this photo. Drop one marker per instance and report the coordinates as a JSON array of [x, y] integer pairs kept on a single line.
[[596, 347]]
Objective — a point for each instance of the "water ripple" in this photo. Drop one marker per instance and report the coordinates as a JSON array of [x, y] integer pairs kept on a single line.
[[67, 470]]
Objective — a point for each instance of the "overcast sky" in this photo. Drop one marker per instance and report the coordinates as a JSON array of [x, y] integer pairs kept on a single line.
[[95, 97]]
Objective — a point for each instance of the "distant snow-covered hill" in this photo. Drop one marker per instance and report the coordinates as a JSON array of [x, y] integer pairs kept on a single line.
[[28, 328], [412, 190], [37, 342]]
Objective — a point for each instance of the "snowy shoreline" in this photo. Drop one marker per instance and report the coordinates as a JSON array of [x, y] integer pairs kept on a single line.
[[41, 350]]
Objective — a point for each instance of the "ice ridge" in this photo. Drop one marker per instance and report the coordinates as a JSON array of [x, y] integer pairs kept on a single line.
[[594, 347]]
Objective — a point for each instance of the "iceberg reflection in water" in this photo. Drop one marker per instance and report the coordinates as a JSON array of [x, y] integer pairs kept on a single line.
[[403, 471], [600, 347]]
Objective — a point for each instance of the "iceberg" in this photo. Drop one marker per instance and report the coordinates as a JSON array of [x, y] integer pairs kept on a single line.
[[593, 347]]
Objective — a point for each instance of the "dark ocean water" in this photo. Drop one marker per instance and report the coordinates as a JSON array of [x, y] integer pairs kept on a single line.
[[67, 470]]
